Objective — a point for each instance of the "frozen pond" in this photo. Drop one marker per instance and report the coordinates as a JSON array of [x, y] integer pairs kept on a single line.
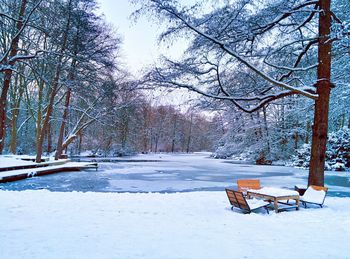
[[175, 173]]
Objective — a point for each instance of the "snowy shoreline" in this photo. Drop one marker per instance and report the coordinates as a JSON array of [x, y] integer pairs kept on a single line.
[[44, 224]]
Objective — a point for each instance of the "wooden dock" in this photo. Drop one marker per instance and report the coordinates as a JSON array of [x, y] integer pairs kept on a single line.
[[15, 173], [33, 165]]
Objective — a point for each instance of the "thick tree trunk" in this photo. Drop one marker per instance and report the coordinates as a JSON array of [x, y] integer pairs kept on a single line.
[[8, 76], [320, 127]]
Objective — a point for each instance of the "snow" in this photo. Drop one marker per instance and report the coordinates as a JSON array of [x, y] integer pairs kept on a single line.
[[338, 166], [255, 203], [9, 161], [23, 160], [201, 224], [314, 196], [43, 224], [34, 171], [273, 191]]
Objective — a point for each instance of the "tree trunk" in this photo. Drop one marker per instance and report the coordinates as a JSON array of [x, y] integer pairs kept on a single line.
[[42, 132], [16, 98], [80, 143], [156, 143], [308, 128], [13, 142], [189, 135], [49, 138], [8, 75], [174, 135], [341, 121], [320, 127], [296, 140], [53, 91], [63, 125], [266, 130], [75, 134]]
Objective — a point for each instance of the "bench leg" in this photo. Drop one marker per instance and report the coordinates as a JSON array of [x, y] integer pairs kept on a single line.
[[297, 203], [275, 204], [267, 209]]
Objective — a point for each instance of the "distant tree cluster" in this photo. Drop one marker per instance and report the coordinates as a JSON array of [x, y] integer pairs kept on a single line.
[[141, 127]]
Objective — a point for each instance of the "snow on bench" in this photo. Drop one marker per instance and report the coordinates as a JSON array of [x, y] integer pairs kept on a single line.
[[14, 175]]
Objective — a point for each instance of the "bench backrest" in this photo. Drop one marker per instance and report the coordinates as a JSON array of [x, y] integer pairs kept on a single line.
[[232, 198], [237, 199], [246, 184], [319, 188]]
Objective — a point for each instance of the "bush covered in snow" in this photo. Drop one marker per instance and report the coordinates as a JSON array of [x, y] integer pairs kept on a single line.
[[337, 155]]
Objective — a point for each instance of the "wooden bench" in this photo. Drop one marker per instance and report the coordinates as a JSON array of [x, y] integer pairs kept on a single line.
[[238, 200], [248, 184]]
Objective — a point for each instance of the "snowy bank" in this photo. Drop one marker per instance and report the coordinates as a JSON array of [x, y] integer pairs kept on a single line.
[[43, 224]]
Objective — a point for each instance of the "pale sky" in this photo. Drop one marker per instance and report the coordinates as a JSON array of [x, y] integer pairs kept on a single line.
[[140, 45]]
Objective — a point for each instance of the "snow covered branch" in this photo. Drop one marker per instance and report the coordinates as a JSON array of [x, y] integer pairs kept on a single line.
[[307, 92], [163, 80], [18, 33]]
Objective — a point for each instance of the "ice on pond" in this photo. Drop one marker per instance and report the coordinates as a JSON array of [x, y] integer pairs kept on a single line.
[[175, 173]]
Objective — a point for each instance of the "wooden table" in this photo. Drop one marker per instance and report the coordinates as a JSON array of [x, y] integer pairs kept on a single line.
[[276, 195]]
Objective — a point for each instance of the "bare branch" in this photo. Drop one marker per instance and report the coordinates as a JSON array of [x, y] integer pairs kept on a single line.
[[231, 52]]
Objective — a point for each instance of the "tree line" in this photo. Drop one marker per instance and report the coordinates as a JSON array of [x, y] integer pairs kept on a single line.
[[142, 127]]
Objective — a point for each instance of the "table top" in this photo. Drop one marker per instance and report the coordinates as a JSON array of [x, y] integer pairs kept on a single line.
[[274, 192]]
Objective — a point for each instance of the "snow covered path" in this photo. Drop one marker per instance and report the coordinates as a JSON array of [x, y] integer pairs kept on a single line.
[[43, 224]]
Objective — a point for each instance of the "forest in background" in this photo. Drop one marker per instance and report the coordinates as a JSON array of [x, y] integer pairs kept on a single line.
[[64, 88]]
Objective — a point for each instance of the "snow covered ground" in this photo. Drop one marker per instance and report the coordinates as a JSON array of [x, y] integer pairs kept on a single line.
[[6, 161], [114, 223], [43, 224]]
